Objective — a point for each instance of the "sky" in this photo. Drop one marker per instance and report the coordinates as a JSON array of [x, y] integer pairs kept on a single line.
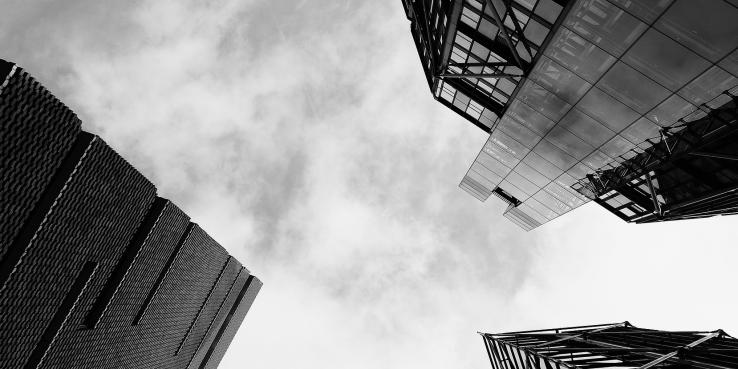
[[302, 136]]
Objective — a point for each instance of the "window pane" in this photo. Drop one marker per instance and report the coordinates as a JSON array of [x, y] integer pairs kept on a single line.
[[707, 86], [579, 55], [607, 109], [605, 24], [671, 110], [548, 10], [588, 129], [567, 197], [664, 60], [632, 88], [568, 142], [616, 147], [518, 132], [542, 165], [532, 175], [541, 209], [487, 174], [559, 80], [492, 164], [543, 101], [646, 10], [509, 188], [555, 155], [597, 160], [730, 63], [525, 208], [535, 32], [708, 27], [521, 183], [500, 152], [641, 130], [579, 171], [526, 116], [488, 183], [551, 202]]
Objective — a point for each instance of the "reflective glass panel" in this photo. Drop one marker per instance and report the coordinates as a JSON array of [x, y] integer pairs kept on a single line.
[[501, 153], [535, 32], [646, 10], [605, 24], [730, 63], [565, 196], [709, 27], [597, 160], [616, 147], [542, 165], [509, 188], [586, 128], [548, 10], [492, 164], [518, 132], [579, 171], [521, 183], [559, 80], [707, 86], [641, 130], [531, 174], [579, 55], [542, 100], [541, 209], [608, 110], [664, 60], [632, 88], [490, 176], [551, 202], [671, 110], [554, 154], [484, 181], [525, 208], [568, 142], [526, 116]]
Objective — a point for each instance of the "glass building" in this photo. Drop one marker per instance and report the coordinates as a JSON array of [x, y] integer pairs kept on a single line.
[[568, 90], [619, 345]]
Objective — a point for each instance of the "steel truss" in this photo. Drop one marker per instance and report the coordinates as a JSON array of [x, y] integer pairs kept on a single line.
[[434, 40], [689, 171], [618, 345]]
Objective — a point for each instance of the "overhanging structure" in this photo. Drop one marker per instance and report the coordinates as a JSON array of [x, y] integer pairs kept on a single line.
[[619, 345], [566, 88]]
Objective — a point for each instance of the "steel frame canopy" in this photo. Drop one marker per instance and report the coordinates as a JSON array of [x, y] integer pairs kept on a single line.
[[616, 345]]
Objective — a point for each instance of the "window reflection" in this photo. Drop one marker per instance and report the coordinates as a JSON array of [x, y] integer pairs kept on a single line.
[[709, 85], [605, 24], [579, 55], [586, 128], [707, 27], [559, 80], [632, 88], [664, 60], [607, 109]]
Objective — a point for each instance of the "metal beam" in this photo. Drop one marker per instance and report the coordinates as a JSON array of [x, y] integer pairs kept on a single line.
[[503, 30], [675, 353], [481, 75]]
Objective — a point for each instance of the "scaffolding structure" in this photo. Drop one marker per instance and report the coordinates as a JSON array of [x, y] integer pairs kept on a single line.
[[689, 171], [618, 345]]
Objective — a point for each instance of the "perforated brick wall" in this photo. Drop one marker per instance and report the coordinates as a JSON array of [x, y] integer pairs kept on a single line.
[[95, 270]]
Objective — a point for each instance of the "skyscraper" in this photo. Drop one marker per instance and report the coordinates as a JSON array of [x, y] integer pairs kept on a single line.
[[576, 93], [618, 345], [96, 271]]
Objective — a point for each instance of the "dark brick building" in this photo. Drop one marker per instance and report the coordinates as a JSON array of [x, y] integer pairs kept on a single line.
[[96, 271]]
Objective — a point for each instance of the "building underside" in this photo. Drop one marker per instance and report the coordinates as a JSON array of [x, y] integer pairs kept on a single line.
[[567, 88], [689, 171], [619, 345]]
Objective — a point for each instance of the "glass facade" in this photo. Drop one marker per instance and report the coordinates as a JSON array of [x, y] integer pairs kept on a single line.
[[612, 75]]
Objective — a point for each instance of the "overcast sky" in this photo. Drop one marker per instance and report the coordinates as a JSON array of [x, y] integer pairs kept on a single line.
[[303, 137]]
